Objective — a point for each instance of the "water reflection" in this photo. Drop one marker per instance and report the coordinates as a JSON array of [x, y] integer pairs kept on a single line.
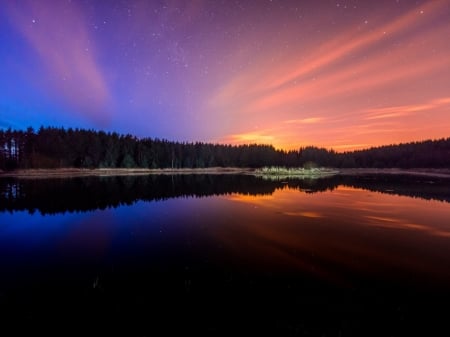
[[50, 196], [325, 257], [347, 229]]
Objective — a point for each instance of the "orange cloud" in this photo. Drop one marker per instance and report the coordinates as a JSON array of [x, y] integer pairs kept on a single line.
[[351, 147], [250, 138], [364, 75], [404, 110], [310, 120], [346, 43], [326, 54]]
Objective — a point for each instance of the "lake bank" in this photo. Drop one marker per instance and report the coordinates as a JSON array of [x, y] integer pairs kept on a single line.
[[429, 172], [78, 172]]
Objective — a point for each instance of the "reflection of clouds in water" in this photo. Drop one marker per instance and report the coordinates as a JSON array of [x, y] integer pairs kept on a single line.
[[383, 219], [253, 199], [393, 223], [345, 228], [348, 203], [305, 214]]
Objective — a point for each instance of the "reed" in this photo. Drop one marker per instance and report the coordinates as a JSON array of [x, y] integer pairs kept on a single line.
[[295, 171]]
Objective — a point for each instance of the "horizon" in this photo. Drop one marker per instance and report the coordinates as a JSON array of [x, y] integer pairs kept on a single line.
[[340, 75], [330, 149]]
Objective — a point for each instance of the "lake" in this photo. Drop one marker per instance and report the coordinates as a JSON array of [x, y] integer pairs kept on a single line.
[[226, 255]]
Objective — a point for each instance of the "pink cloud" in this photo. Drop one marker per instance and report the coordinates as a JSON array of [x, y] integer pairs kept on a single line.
[[57, 31]]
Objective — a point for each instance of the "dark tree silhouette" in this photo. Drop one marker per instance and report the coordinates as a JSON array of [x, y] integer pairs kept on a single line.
[[57, 147]]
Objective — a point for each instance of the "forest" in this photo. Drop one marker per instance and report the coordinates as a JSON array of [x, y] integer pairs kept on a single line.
[[51, 147]]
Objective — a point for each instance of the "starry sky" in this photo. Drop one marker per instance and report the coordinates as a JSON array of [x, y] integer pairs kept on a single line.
[[337, 74]]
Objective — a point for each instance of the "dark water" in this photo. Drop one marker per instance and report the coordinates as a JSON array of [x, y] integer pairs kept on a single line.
[[225, 255]]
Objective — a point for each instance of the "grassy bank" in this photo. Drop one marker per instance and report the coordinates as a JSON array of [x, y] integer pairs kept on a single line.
[[297, 172], [429, 172], [77, 172]]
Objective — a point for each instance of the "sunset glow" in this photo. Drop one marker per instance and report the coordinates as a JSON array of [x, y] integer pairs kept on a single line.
[[336, 74]]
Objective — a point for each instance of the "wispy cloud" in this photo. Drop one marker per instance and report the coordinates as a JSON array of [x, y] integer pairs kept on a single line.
[[329, 52], [59, 36], [405, 110], [310, 120], [345, 147], [351, 42], [249, 137]]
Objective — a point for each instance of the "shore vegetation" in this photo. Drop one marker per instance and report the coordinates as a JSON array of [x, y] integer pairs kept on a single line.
[[297, 172]]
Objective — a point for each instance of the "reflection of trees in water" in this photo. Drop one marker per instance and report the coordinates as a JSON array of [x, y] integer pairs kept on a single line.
[[89, 193], [424, 187], [50, 196]]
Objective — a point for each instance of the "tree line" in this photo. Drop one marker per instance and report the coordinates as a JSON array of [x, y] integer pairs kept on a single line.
[[51, 147]]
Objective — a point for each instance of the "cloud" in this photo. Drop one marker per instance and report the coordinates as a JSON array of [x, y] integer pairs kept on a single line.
[[349, 147], [310, 120], [57, 32], [249, 138], [350, 42], [405, 110], [286, 79]]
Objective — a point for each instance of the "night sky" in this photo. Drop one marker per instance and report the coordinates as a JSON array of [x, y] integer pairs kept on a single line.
[[337, 74]]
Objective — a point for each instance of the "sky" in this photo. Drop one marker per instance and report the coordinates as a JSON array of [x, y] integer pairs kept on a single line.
[[336, 74]]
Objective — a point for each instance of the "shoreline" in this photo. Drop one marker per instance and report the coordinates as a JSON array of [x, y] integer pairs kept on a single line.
[[426, 172], [108, 172]]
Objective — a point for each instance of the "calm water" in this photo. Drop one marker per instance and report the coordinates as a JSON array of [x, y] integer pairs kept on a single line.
[[366, 255]]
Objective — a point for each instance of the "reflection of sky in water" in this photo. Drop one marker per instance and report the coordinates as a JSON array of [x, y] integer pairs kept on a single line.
[[344, 259], [354, 229], [36, 228], [328, 235], [371, 209]]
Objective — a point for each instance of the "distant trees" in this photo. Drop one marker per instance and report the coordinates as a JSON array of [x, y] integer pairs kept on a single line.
[[57, 148], [430, 153]]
